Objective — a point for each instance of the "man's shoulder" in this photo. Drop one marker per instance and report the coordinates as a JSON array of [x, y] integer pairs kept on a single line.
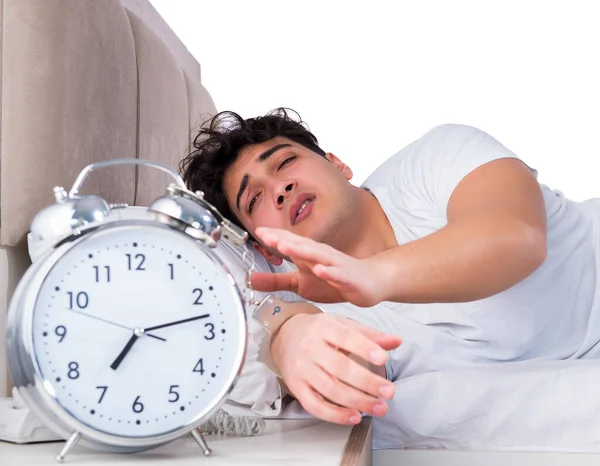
[[453, 127], [446, 136], [398, 162]]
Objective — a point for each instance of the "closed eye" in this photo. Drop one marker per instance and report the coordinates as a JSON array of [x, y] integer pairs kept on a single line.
[[285, 162], [252, 202], [255, 198]]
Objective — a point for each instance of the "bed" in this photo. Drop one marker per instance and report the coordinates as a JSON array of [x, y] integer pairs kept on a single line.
[[89, 80], [83, 81]]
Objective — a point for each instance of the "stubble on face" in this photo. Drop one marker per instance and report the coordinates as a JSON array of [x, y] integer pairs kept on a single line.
[[331, 220]]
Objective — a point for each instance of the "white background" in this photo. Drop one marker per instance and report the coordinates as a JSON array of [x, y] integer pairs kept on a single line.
[[370, 77]]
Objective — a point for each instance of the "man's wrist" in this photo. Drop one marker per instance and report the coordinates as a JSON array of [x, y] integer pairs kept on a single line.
[[277, 332], [385, 274], [274, 343], [271, 314]]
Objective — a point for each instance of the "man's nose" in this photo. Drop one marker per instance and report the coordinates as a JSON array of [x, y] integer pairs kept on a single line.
[[285, 192]]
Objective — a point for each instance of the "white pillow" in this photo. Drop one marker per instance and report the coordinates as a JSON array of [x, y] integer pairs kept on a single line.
[[519, 406]]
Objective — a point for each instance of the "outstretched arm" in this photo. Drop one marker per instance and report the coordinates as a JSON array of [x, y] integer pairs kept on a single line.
[[495, 237]]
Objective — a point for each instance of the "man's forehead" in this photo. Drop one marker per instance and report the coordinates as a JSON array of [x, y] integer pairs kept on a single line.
[[249, 156], [243, 165], [251, 152]]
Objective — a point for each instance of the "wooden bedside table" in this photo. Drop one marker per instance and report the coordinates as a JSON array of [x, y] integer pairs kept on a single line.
[[289, 442]]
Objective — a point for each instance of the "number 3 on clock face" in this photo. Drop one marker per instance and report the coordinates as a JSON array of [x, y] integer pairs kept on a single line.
[[138, 331]]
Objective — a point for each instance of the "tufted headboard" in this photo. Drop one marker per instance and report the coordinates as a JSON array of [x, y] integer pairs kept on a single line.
[[83, 81]]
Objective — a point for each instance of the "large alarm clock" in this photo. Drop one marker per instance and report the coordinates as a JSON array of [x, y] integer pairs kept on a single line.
[[128, 333]]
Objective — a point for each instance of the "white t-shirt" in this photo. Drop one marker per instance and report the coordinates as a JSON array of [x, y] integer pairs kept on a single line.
[[553, 313]]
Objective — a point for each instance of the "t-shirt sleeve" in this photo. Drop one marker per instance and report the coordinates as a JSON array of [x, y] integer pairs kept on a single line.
[[438, 161]]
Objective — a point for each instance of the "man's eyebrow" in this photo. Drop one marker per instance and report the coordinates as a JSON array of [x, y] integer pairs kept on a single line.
[[268, 153], [243, 186], [261, 158]]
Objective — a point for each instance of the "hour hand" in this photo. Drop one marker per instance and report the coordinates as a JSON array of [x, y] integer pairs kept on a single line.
[[139, 332], [117, 362]]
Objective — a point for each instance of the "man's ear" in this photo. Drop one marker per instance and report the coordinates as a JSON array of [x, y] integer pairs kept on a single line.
[[272, 258], [341, 166]]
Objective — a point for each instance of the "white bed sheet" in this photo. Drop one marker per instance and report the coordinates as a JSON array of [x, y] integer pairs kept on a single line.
[[532, 406], [480, 458], [547, 407]]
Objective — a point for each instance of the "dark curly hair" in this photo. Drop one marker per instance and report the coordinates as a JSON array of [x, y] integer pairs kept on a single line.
[[220, 141]]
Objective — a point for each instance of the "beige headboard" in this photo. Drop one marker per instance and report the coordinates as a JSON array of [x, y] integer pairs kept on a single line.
[[82, 81]]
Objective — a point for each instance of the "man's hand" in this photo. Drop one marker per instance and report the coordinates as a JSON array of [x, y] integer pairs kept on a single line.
[[324, 274], [325, 380]]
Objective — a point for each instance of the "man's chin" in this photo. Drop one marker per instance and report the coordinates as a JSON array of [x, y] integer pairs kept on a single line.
[[315, 228]]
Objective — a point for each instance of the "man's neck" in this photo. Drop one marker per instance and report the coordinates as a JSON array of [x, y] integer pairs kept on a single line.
[[371, 231]]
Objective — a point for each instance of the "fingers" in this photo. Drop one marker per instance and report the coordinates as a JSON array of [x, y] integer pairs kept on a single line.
[[359, 341], [344, 278], [388, 342], [295, 246], [316, 405], [353, 339], [325, 373], [347, 396], [361, 388], [384, 340], [357, 280], [311, 252], [319, 384], [332, 273], [266, 281], [272, 235]]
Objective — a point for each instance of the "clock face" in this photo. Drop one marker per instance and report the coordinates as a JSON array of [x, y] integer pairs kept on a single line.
[[137, 331]]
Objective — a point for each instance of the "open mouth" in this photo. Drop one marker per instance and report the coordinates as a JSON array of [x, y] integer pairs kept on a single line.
[[301, 209]]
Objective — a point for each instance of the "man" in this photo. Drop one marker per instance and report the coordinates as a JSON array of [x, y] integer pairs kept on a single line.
[[454, 233]]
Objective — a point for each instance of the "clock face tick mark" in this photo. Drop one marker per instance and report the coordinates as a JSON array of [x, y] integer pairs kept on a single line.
[[110, 271]]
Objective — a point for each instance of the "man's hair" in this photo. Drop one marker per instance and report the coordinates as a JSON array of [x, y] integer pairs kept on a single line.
[[220, 141]]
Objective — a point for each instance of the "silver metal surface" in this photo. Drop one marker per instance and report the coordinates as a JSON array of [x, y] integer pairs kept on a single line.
[[36, 391], [109, 163], [196, 216], [250, 264], [68, 216], [72, 220], [187, 215], [199, 438], [69, 445]]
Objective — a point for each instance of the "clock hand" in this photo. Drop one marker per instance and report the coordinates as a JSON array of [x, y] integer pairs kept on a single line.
[[203, 316], [117, 362], [156, 337], [112, 323], [138, 332]]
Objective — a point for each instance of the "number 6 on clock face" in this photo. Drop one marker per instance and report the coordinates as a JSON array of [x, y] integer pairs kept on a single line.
[[137, 330]]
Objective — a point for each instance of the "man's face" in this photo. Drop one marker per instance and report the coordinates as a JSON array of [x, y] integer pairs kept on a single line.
[[282, 184]]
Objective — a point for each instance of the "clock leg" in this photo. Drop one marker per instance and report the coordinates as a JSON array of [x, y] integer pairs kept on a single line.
[[73, 439], [199, 438]]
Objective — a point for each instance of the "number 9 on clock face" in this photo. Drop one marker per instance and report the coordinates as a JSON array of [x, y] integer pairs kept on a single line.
[[138, 330]]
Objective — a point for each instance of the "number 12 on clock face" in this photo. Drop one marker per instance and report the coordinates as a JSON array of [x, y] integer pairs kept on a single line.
[[138, 331]]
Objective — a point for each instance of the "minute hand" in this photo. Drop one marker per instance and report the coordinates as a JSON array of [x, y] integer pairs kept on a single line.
[[203, 316]]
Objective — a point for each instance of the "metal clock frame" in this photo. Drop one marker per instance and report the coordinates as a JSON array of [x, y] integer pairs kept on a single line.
[[37, 392]]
